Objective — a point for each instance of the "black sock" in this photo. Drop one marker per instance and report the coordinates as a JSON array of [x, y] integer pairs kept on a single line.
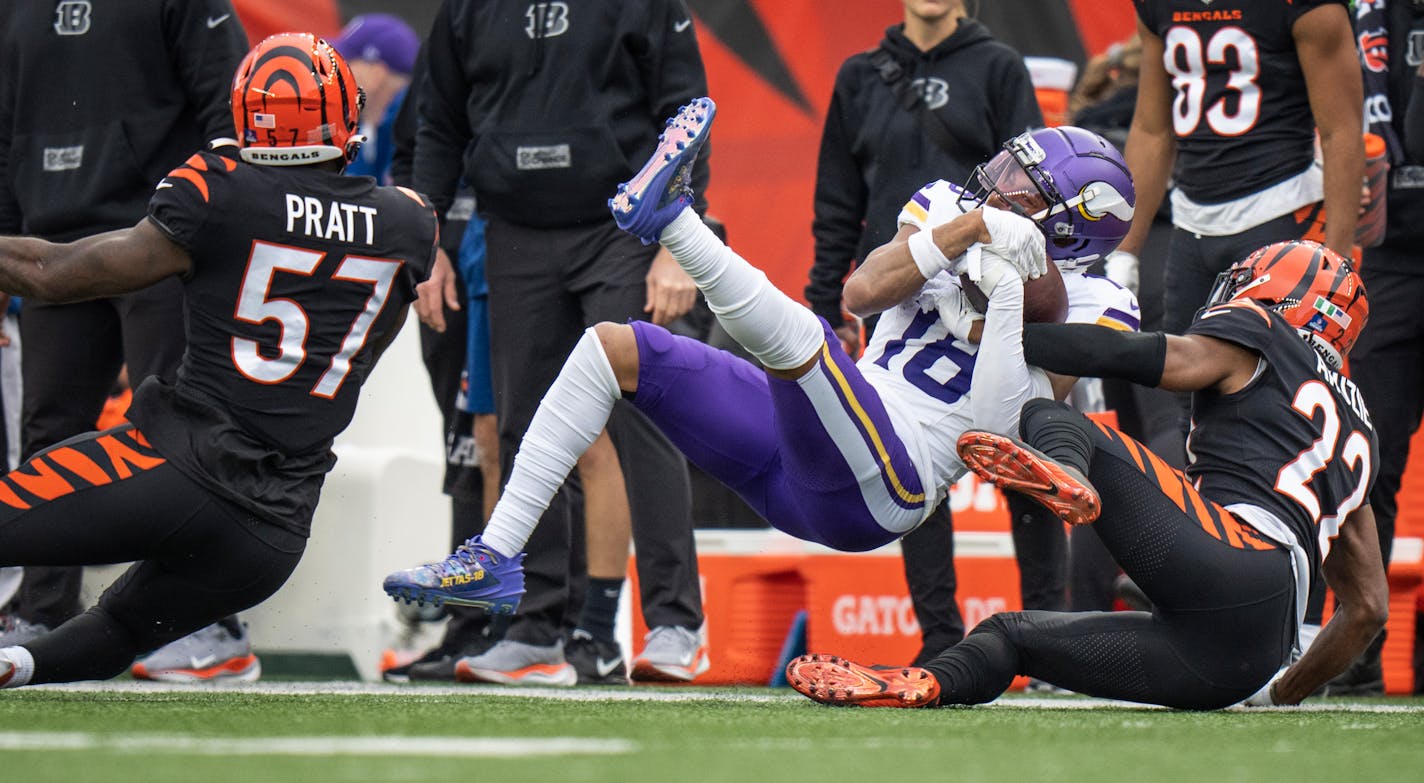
[[600, 607], [233, 626], [978, 669], [1058, 431]]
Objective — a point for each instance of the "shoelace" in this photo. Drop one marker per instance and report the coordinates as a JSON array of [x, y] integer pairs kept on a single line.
[[462, 559]]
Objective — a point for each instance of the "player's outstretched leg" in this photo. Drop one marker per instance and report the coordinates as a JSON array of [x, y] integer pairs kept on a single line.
[[487, 571], [842, 683], [656, 195], [655, 205], [475, 575], [1010, 464]]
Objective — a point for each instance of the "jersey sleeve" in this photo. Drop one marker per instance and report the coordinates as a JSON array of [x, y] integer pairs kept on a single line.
[[1240, 321], [423, 216], [1097, 300], [1295, 10], [179, 205], [936, 203], [1147, 14]]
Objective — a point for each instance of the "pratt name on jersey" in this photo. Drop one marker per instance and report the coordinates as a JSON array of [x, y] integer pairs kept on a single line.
[[335, 221]]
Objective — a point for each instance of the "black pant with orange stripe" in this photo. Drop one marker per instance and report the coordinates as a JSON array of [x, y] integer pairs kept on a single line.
[[110, 497], [1224, 596]]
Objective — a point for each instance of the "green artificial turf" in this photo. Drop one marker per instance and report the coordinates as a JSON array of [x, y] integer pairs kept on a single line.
[[721, 735]]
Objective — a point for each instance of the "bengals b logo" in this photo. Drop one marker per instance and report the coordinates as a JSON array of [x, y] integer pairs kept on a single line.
[[71, 17]]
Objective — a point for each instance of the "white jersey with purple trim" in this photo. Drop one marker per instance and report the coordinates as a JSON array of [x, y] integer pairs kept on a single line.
[[923, 373], [1093, 299]]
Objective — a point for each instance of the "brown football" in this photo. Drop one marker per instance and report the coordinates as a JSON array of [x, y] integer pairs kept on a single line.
[[1045, 298]]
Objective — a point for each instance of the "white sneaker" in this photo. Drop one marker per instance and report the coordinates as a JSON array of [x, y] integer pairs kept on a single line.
[[516, 663], [673, 654], [208, 654]]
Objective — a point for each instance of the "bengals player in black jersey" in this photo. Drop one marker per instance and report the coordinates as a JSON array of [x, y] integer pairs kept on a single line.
[[1283, 457], [296, 278]]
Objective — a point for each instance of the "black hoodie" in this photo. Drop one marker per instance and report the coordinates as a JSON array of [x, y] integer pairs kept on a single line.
[[875, 152], [546, 107], [98, 101]]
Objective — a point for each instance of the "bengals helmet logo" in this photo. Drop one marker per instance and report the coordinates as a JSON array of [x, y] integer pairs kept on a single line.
[[1374, 50]]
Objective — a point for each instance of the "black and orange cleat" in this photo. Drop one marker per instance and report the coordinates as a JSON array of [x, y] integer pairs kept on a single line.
[[1012, 465], [842, 683]]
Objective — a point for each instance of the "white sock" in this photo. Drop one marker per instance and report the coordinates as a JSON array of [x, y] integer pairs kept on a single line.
[[781, 333], [24, 666], [569, 418]]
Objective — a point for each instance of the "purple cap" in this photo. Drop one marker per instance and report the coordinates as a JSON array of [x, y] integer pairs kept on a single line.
[[379, 37]]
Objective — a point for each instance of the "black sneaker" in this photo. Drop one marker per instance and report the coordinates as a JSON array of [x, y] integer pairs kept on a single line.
[[437, 665], [596, 661], [402, 673]]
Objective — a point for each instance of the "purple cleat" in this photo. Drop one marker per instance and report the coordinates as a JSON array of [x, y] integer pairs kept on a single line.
[[655, 196], [475, 575]]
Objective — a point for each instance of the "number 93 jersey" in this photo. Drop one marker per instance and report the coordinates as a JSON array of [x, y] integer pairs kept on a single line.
[[1296, 441], [297, 274], [1240, 112]]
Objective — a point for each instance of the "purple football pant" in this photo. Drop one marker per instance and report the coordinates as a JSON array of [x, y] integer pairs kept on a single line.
[[817, 458]]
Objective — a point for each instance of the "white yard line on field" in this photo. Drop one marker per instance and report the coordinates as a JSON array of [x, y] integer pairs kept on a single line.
[[642, 693], [505, 747]]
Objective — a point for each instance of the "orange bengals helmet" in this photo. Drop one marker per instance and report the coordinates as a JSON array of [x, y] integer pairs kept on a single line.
[[294, 101], [1315, 289]]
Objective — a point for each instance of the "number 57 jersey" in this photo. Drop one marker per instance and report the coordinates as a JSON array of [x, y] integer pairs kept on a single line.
[[297, 276]]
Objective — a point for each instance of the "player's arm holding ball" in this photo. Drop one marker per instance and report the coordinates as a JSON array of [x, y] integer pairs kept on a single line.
[[897, 269]]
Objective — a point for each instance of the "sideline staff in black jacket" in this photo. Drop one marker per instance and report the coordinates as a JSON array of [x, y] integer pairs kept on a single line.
[[98, 102], [936, 97], [545, 107]]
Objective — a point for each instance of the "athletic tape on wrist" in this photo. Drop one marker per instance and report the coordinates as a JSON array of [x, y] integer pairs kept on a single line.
[[929, 259]]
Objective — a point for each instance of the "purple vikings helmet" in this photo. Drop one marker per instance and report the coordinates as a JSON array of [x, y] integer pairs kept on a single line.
[[1072, 183]]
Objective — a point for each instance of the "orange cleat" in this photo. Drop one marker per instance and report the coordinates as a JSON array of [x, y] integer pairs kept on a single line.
[[842, 683], [1012, 465]]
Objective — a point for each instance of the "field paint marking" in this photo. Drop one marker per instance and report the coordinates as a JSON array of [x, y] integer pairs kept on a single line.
[[384, 745], [352, 688], [639, 693]]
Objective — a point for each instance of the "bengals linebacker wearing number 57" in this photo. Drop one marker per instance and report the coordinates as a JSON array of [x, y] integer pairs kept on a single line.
[[296, 278]]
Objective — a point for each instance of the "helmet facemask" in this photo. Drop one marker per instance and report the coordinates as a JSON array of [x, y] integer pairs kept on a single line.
[[1020, 178]]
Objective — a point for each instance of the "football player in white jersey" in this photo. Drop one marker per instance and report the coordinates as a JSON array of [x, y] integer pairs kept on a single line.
[[849, 456]]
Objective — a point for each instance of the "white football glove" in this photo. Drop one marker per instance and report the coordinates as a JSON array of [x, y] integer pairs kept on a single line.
[[956, 312], [1121, 267], [1018, 240]]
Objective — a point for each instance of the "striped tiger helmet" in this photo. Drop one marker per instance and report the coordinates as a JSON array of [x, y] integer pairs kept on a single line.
[[294, 102], [1314, 288]]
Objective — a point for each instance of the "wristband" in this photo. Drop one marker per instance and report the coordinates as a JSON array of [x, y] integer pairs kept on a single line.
[[929, 259]]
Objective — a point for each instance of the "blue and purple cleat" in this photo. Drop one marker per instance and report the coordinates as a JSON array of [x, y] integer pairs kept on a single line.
[[475, 575], [655, 196]]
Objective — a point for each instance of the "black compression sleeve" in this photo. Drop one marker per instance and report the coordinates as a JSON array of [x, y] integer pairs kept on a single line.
[[1092, 351]]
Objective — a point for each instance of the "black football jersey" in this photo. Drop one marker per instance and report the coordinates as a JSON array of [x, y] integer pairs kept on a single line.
[[296, 276], [1240, 113], [1296, 441]]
